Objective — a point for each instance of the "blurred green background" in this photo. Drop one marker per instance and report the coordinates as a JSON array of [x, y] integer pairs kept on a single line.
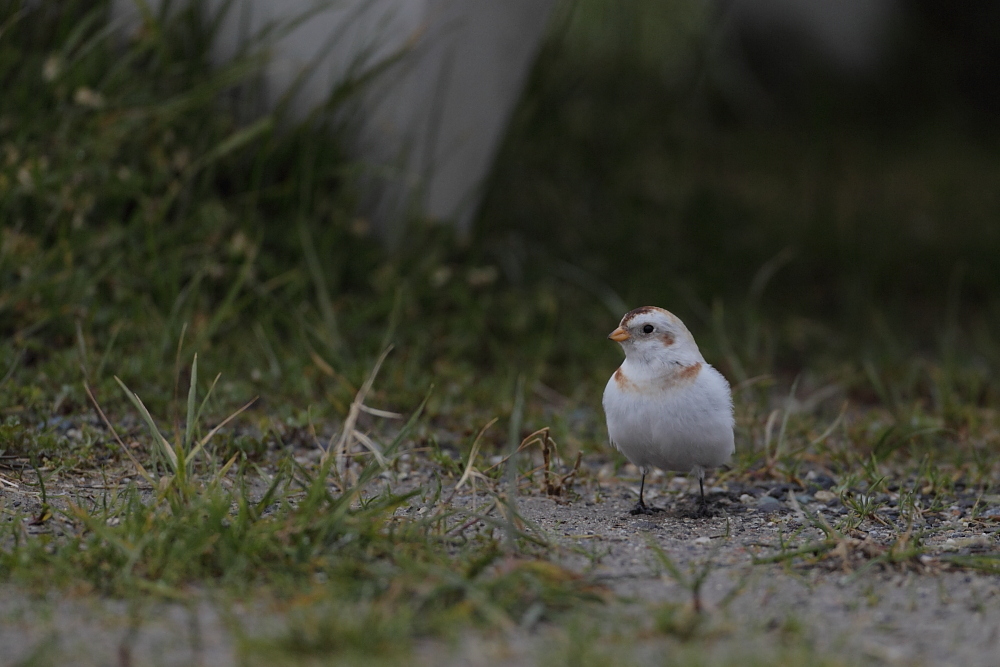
[[847, 236]]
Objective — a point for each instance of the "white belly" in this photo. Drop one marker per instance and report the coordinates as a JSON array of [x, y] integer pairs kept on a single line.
[[678, 429]]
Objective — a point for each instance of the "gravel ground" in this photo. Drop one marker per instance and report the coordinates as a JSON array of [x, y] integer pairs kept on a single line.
[[919, 612], [849, 604]]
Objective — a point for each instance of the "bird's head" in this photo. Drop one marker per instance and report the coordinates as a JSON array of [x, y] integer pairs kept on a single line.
[[655, 336]]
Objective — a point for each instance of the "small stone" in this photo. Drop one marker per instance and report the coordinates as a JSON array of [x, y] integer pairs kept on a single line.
[[822, 481], [781, 490], [768, 501], [746, 499], [824, 496]]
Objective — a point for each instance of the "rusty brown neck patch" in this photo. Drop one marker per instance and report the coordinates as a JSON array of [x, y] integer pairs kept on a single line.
[[675, 379], [623, 382], [688, 373]]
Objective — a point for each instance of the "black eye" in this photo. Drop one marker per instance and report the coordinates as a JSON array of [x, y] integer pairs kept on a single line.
[[648, 328]]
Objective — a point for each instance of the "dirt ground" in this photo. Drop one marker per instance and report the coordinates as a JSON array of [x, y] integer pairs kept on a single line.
[[913, 613], [849, 604]]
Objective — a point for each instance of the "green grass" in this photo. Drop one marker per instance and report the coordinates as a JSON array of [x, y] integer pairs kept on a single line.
[[843, 278], [375, 580]]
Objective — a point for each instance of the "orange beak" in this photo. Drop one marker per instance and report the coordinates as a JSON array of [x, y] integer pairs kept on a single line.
[[618, 335]]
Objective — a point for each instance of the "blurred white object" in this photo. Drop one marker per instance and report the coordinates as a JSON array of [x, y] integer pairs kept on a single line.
[[430, 124]]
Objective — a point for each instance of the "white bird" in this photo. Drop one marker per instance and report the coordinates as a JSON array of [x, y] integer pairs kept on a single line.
[[666, 406]]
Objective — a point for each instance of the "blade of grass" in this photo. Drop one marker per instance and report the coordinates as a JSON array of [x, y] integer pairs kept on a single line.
[[331, 327], [201, 443], [151, 425], [138, 466], [208, 394], [372, 447], [340, 451], [192, 390], [473, 452]]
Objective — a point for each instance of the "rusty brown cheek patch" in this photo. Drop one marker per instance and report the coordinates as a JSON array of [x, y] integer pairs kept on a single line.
[[667, 339]]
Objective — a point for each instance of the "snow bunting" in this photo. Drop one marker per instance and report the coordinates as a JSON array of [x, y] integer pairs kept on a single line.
[[666, 406]]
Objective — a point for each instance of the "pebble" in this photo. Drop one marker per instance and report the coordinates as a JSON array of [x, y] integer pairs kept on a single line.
[[824, 496], [822, 481]]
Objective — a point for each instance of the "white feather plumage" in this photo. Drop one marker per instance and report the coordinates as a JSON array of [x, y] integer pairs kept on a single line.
[[666, 407]]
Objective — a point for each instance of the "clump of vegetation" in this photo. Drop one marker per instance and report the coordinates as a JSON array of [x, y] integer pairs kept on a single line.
[[383, 578]]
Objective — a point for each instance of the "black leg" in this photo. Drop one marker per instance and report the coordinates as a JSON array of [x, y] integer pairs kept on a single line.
[[640, 507], [703, 510]]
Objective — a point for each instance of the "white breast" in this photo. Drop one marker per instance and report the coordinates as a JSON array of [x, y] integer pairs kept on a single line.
[[676, 428]]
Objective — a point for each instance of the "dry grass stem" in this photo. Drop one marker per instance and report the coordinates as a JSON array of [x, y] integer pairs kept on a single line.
[[349, 434]]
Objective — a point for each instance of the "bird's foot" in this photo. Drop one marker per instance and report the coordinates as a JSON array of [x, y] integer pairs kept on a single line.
[[643, 508], [703, 511]]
